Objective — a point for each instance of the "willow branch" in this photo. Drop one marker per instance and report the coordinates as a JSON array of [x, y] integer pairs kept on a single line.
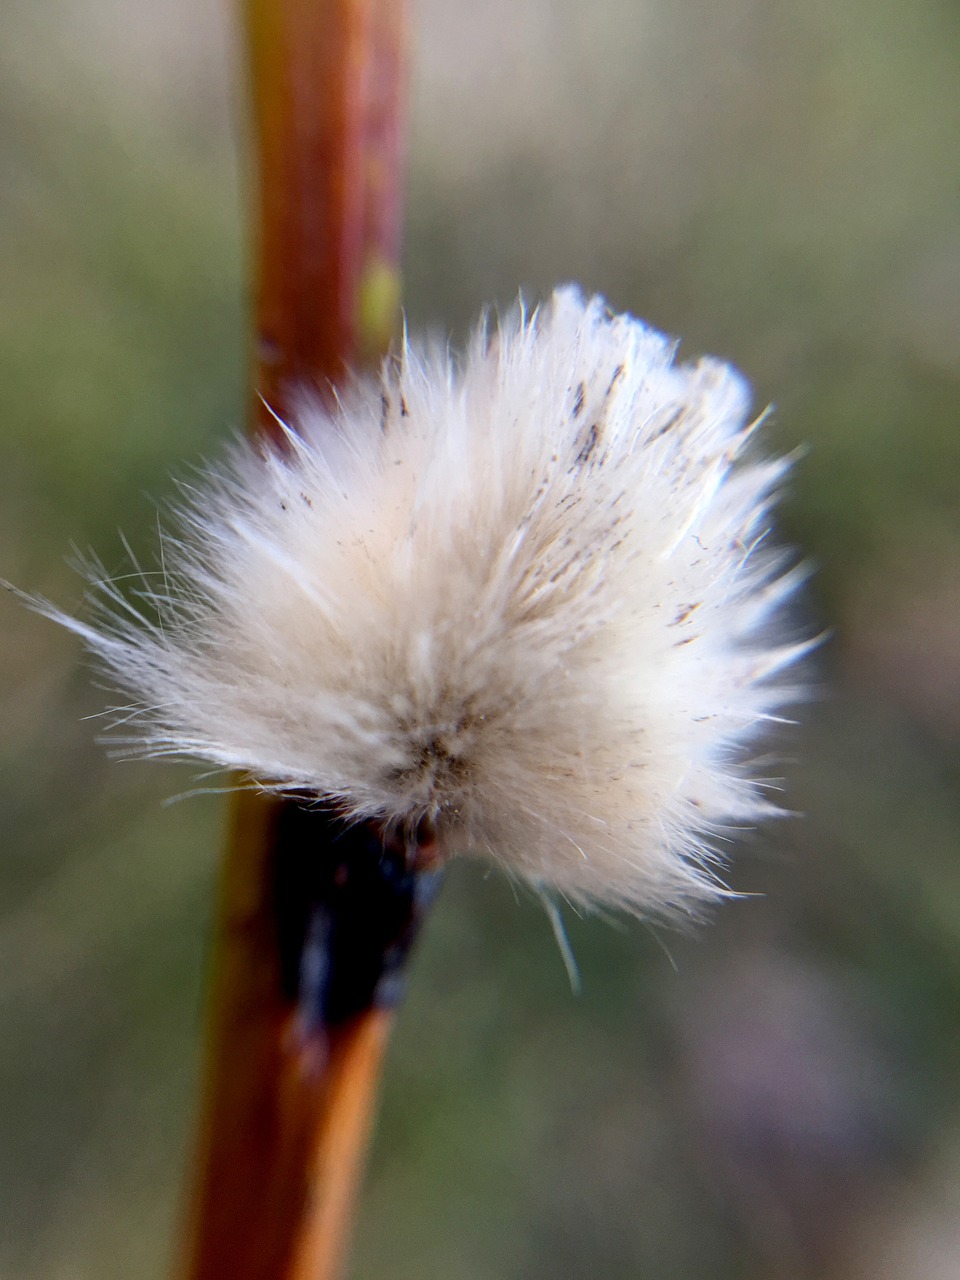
[[289, 1092]]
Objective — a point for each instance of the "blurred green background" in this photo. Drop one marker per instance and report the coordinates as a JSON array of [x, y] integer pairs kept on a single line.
[[774, 1095]]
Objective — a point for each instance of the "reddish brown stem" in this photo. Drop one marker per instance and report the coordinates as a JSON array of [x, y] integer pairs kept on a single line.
[[328, 84], [286, 1115]]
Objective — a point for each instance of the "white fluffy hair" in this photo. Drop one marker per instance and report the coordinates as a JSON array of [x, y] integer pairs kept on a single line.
[[521, 596]]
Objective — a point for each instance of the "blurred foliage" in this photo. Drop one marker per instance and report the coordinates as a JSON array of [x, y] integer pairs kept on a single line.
[[773, 1095]]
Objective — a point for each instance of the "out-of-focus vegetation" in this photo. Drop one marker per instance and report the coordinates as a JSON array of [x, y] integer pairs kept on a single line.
[[777, 1095]]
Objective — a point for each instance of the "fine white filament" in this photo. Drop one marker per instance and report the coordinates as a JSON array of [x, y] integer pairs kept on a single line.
[[524, 596]]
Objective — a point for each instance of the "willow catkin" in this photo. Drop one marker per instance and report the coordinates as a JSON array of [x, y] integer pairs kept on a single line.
[[525, 596]]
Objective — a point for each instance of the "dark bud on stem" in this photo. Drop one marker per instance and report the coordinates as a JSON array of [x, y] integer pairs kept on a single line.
[[349, 901]]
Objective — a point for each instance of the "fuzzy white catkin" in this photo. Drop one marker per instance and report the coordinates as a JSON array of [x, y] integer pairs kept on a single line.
[[524, 595]]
